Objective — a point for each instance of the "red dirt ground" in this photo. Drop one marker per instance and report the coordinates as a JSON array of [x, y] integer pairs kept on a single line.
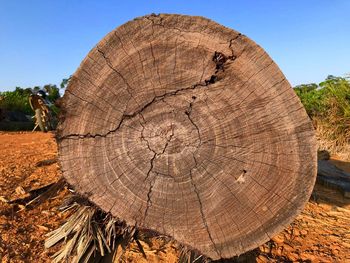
[[320, 234]]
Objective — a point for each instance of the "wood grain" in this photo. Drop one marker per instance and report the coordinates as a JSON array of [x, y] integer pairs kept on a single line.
[[182, 126]]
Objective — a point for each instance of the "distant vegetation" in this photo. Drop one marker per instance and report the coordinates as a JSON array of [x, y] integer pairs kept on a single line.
[[321, 99], [328, 105], [15, 110], [18, 100]]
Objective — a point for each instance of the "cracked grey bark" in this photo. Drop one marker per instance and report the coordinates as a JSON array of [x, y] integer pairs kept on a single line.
[[182, 126]]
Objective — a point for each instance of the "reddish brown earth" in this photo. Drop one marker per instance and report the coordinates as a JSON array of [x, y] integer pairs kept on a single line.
[[320, 234]]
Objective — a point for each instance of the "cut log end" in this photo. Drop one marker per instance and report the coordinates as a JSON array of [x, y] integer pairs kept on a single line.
[[182, 126]]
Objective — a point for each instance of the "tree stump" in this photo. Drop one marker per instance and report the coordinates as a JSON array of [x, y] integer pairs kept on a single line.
[[182, 126]]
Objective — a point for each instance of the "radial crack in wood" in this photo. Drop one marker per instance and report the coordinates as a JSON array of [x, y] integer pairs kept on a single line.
[[179, 125]]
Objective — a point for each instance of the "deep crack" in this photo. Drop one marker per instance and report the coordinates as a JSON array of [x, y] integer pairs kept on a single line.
[[110, 65], [168, 140], [202, 212], [129, 116], [218, 58], [149, 201], [188, 113]]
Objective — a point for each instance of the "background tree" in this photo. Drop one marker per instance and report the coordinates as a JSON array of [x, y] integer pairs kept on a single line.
[[65, 82], [53, 92]]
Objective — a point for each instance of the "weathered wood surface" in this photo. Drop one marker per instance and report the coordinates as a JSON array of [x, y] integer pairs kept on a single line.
[[180, 125]]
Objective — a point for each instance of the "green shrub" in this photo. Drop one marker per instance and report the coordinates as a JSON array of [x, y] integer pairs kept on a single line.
[[338, 95], [17, 100], [328, 105], [322, 99], [312, 97]]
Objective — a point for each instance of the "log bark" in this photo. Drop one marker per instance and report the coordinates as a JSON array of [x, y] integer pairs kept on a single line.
[[330, 175], [180, 125]]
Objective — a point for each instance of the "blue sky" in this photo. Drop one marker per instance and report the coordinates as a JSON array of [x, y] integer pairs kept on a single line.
[[43, 41]]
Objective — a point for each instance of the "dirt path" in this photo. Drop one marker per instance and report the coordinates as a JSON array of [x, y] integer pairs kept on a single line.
[[22, 232], [28, 161]]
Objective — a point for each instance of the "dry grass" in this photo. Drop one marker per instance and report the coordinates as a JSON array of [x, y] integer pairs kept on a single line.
[[333, 137]]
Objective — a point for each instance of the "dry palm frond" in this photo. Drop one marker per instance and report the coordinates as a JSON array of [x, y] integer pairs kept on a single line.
[[89, 233], [37, 196], [190, 256]]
